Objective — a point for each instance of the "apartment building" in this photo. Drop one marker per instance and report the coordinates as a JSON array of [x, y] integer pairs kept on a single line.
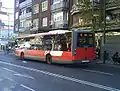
[[60, 14], [45, 15], [32, 16], [113, 15], [23, 16], [84, 14], [35, 16]]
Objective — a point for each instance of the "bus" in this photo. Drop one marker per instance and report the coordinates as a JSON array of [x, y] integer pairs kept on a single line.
[[58, 46]]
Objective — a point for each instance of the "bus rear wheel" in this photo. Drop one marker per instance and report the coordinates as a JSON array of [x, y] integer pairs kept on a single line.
[[22, 56], [49, 59]]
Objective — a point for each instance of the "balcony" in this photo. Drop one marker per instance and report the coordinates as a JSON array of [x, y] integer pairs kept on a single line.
[[25, 3], [60, 24], [113, 5], [61, 5], [25, 16], [113, 24]]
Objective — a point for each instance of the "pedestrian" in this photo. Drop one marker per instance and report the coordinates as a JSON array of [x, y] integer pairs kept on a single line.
[[98, 53], [105, 57], [116, 58]]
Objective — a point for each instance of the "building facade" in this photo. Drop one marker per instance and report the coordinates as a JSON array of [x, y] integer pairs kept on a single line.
[[85, 14], [32, 16], [60, 14], [45, 15], [23, 16], [113, 15], [35, 16]]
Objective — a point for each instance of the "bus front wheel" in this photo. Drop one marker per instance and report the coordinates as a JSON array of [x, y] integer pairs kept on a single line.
[[49, 59]]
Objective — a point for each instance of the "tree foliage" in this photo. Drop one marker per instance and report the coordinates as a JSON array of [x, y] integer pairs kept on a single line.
[[87, 12]]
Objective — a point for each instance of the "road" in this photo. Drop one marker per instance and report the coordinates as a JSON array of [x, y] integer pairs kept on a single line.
[[17, 75]]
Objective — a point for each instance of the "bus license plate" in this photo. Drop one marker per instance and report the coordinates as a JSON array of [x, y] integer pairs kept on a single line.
[[85, 61]]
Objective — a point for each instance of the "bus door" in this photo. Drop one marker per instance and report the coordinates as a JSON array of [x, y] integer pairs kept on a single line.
[[84, 46]]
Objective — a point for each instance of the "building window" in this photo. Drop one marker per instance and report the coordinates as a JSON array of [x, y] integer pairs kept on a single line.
[[16, 15], [57, 1], [22, 1], [58, 17], [29, 9], [44, 6], [36, 9], [17, 3], [22, 11], [44, 22], [16, 27], [28, 23], [35, 23], [21, 24]]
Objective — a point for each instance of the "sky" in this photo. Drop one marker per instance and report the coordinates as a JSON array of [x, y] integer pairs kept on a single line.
[[8, 4]]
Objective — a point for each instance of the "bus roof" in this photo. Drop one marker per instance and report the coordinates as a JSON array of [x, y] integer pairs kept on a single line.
[[53, 33], [46, 33]]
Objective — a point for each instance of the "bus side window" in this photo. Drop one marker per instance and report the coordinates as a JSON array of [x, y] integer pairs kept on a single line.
[[69, 46], [68, 37], [60, 43]]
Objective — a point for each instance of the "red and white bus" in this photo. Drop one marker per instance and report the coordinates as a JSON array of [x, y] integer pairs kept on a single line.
[[59, 46]]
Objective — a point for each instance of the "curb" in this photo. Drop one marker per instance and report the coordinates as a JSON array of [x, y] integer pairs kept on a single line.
[[110, 65]]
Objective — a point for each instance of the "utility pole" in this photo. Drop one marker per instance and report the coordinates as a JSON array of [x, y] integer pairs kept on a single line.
[[104, 22]]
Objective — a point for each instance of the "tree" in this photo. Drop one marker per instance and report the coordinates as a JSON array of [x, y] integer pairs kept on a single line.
[[89, 13]]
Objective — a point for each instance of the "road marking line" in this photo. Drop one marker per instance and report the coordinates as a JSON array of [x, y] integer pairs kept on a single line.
[[18, 74], [95, 71], [64, 77], [27, 87], [10, 79], [24, 61], [26, 76], [11, 71]]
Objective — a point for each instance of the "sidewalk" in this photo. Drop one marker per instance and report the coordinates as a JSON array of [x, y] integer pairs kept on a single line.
[[109, 64]]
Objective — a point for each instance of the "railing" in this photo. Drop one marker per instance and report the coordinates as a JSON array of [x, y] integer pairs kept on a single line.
[[112, 22], [59, 23], [59, 5], [27, 15], [112, 5], [25, 3]]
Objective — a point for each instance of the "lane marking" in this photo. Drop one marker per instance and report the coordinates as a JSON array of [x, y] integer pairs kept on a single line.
[[11, 70], [19, 74], [9, 79], [27, 87], [7, 89], [25, 76], [100, 72], [64, 77], [24, 61]]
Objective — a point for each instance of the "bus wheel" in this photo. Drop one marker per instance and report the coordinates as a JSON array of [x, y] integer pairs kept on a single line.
[[22, 56], [49, 59]]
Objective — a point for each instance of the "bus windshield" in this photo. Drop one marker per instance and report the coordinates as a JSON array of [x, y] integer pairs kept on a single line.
[[85, 39]]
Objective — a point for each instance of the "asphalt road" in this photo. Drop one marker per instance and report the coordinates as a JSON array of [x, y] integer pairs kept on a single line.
[[17, 75]]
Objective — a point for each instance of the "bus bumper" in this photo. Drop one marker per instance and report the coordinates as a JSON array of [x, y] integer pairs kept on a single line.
[[84, 61]]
